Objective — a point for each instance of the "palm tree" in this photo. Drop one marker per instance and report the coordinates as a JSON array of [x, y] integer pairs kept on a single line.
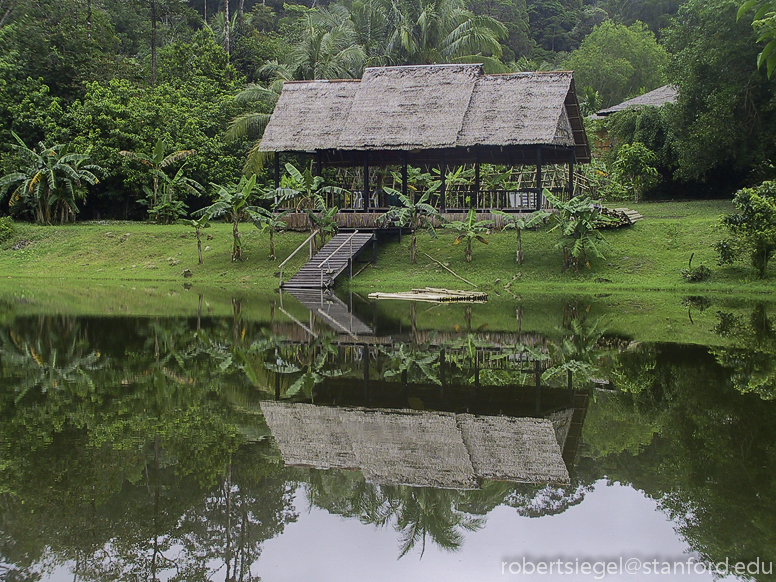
[[233, 203], [414, 215], [470, 229], [252, 124], [519, 224], [51, 177], [328, 49], [157, 161], [439, 31]]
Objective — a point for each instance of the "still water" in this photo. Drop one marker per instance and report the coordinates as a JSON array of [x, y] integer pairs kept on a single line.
[[313, 437]]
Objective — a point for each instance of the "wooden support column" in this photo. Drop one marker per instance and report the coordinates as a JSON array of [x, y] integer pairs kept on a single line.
[[277, 170], [318, 164], [476, 199], [538, 177], [572, 157], [404, 188], [366, 180], [443, 172]]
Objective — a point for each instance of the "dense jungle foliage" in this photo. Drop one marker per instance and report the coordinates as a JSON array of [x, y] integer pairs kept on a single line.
[[91, 89]]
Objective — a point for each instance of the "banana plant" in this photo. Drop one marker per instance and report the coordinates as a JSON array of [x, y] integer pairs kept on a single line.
[[519, 224], [469, 230]]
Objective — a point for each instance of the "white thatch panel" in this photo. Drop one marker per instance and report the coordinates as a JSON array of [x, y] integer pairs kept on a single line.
[[516, 109], [310, 436], [514, 449], [309, 116], [406, 447], [406, 108]]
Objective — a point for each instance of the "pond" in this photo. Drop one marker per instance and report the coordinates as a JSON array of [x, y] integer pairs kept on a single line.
[[309, 436]]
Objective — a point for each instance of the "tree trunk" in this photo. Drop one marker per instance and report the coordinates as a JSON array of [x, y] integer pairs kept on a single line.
[[413, 247], [469, 251], [226, 26], [241, 10], [89, 19], [237, 254], [153, 60], [519, 248], [271, 244], [199, 248]]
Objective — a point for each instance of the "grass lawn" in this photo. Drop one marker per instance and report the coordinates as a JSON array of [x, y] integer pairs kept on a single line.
[[645, 257]]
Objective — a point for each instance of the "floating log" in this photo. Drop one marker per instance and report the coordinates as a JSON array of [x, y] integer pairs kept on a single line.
[[433, 295]]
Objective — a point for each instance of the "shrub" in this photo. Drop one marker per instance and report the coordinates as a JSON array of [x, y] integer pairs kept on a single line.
[[7, 229]]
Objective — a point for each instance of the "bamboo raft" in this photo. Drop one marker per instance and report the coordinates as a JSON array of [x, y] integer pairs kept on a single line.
[[433, 295]]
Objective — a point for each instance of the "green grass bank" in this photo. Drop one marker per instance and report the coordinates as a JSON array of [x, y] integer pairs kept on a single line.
[[645, 257]]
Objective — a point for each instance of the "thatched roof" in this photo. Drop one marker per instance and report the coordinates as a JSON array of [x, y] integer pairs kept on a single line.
[[430, 108], [418, 448], [317, 112], [656, 98]]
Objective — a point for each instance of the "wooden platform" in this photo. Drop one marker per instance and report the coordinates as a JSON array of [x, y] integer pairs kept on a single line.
[[433, 295], [322, 270]]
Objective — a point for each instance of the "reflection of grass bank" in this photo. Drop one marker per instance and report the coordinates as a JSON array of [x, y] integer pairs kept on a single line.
[[648, 317], [645, 257]]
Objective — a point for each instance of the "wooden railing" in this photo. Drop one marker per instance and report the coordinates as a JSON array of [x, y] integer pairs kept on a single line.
[[309, 239]]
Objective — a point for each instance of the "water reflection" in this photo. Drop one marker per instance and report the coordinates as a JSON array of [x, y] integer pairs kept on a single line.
[[171, 448]]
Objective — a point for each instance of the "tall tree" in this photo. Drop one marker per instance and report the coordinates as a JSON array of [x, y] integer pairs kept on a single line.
[[619, 62], [724, 121]]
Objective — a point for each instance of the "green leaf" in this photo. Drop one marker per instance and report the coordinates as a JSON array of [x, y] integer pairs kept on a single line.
[[745, 7]]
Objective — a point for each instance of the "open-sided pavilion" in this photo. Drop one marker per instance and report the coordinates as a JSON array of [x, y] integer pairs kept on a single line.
[[439, 116]]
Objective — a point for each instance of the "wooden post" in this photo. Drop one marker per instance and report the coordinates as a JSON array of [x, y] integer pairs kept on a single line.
[[318, 163], [475, 201], [366, 180], [404, 188], [571, 175], [442, 173], [538, 177], [277, 170]]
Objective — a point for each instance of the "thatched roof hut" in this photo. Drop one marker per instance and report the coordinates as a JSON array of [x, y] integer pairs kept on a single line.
[[657, 98], [421, 112], [418, 448]]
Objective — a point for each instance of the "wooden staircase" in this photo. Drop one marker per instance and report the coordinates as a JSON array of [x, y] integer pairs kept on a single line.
[[335, 256]]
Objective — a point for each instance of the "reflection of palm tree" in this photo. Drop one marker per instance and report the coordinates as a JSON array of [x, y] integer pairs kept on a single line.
[[431, 513], [48, 363]]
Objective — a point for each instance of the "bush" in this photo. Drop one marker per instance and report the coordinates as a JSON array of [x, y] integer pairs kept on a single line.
[[7, 229], [752, 230], [694, 275]]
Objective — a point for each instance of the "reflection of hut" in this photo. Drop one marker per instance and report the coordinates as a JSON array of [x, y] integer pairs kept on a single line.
[[434, 115], [419, 448]]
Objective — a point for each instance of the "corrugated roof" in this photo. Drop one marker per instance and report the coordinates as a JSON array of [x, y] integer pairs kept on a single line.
[[426, 108]]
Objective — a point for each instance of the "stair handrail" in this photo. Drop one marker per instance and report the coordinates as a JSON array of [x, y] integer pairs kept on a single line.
[[346, 241], [291, 256]]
